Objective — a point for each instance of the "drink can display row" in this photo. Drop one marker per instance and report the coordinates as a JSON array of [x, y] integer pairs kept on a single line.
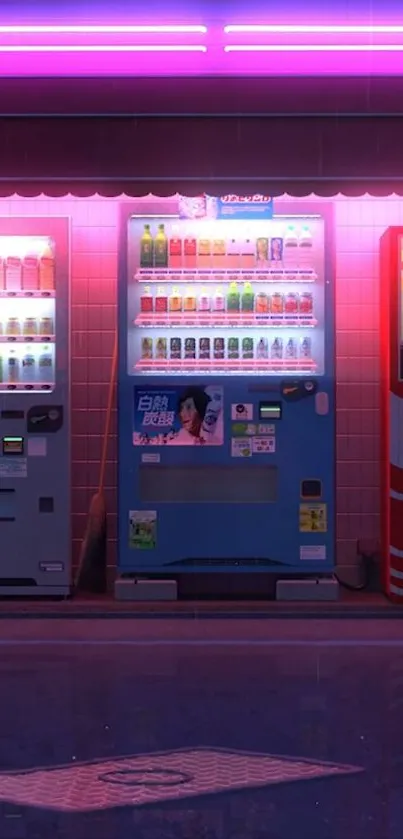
[[30, 327], [235, 300], [31, 272], [219, 348]]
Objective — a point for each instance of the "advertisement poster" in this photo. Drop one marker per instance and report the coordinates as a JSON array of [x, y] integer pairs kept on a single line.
[[231, 206], [142, 529], [178, 416]]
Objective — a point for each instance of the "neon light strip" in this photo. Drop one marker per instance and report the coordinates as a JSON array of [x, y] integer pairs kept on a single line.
[[314, 48], [103, 29], [104, 48], [303, 29]]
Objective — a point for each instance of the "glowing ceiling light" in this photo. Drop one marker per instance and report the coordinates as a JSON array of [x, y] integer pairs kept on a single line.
[[84, 29], [114, 48], [312, 29], [314, 48]]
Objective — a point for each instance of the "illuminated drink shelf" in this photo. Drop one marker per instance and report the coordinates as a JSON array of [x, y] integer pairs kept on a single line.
[[27, 339], [241, 366], [37, 294], [219, 277], [30, 387], [220, 320]]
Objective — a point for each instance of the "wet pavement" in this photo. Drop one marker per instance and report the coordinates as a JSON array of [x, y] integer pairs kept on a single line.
[[213, 729]]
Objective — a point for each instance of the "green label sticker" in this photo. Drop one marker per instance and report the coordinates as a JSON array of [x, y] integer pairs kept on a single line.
[[142, 529], [243, 429]]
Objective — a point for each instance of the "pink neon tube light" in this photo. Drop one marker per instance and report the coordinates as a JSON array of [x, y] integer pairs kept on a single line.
[[314, 29], [88, 48], [113, 30], [314, 48]]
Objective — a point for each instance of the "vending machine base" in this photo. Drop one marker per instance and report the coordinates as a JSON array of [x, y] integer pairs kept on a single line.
[[145, 590], [314, 590]]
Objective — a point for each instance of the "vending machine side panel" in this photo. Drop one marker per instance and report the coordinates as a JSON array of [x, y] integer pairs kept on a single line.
[[391, 335]]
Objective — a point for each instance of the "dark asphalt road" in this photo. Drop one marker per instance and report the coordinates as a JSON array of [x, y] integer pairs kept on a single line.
[[91, 696]]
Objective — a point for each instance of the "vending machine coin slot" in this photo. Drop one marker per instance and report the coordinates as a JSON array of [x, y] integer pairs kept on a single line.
[[311, 488], [12, 415]]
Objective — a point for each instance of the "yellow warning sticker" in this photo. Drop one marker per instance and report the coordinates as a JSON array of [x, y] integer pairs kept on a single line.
[[313, 518]]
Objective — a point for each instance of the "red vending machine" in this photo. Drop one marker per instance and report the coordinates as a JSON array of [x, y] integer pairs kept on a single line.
[[391, 329]]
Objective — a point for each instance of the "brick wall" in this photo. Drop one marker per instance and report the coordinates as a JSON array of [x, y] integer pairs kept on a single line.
[[359, 225]]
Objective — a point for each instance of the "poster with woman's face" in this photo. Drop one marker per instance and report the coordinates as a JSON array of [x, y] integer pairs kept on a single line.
[[178, 416]]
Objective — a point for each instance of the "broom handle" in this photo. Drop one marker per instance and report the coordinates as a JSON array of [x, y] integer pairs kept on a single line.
[[108, 415]]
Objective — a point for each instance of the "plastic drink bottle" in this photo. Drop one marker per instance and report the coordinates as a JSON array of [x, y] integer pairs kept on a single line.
[[161, 248], [47, 269], [146, 248]]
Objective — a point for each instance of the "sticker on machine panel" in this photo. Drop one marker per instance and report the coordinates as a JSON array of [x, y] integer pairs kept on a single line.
[[243, 429], [178, 416], [51, 567], [312, 552], [241, 447], [142, 529], [37, 447], [13, 467], [242, 411], [313, 518], [266, 428], [263, 445], [151, 457]]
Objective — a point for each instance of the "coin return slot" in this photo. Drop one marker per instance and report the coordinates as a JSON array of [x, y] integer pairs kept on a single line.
[[46, 505]]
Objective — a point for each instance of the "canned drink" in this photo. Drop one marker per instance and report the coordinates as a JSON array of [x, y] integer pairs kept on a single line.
[[46, 326], [204, 348], [247, 347], [146, 347], [161, 348], [30, 326], [291, 303], [276, 349], [175, 348], [306, 303], [219, 348], [277, 303], [13, 326], [190, 348], [233, 347], [276, 249]]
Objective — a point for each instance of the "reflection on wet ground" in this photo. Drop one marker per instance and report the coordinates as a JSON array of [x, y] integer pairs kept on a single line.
[[257, 730]]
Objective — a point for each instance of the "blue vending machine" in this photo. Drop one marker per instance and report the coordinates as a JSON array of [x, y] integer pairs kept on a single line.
[[35, 538], [226, 387]]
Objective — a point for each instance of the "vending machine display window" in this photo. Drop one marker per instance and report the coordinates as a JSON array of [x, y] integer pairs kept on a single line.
[[27, 313], [225, 297]]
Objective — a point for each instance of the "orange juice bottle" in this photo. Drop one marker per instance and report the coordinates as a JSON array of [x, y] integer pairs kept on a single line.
[[175, 301], [204, 254], [189, 300], [219, 253]]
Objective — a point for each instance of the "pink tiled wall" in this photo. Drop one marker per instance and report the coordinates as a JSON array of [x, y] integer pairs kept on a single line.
[[359, 225]]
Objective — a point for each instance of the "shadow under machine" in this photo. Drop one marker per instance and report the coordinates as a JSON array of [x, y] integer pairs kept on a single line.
[[35, 539], [226, 387]]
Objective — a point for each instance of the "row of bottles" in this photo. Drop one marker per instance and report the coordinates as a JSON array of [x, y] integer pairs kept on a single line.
[[231, 348], [235, 300], [31, 272], [29, 327], [159, 251], [28, 367]]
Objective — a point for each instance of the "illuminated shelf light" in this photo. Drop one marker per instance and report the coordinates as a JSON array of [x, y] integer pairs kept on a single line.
[[27, 339], [241, 366], [222, 320], [34, 387], [189, 277], [27, 293], [104, 29]]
